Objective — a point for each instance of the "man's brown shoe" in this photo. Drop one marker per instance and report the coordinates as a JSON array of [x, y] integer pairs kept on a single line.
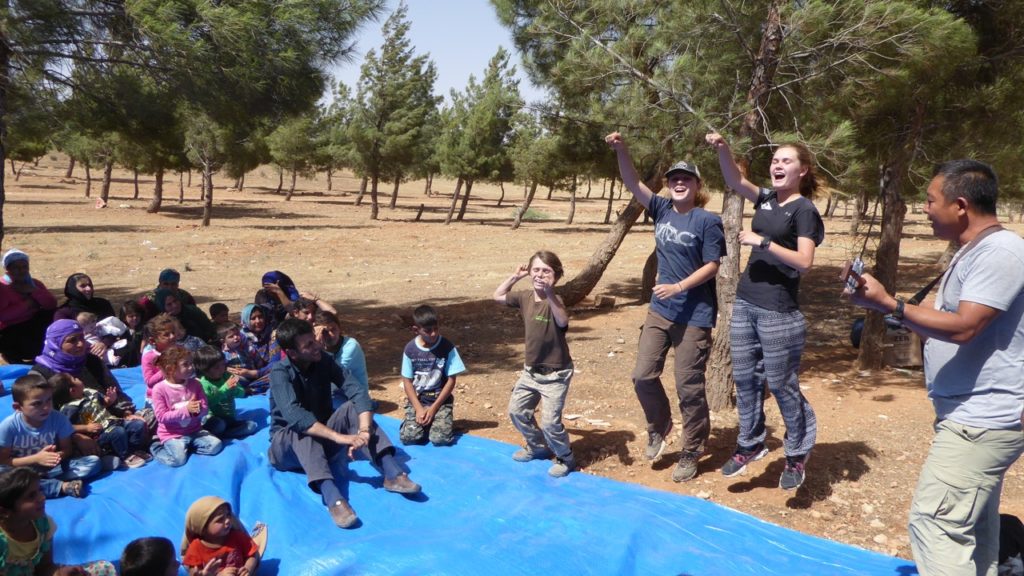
[[401, 484], [343, 514]]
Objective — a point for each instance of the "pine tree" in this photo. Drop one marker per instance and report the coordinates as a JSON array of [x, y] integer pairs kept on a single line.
[[393, 101]]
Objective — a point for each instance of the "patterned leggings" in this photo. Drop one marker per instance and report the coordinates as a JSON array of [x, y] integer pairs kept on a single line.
[[766, 347]]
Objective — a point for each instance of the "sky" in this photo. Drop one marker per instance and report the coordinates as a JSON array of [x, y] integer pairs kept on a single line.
[[461, 36]]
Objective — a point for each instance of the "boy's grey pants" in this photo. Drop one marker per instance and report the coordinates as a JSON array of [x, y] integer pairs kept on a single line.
[[535, 384]]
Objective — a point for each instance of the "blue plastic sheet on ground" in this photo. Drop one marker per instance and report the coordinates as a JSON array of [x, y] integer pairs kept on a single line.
[[480, 512]]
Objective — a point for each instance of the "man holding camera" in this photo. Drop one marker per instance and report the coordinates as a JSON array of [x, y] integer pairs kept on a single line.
[[974, 371]]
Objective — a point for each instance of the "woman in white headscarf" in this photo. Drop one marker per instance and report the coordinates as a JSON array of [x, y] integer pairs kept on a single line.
[[26, 309]]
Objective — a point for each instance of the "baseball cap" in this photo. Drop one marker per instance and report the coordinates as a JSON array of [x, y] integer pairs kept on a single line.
[[683, 166]]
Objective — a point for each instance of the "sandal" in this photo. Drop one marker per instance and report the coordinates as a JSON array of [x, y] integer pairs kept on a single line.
[[259, 537], [146, 456], [134, 461], [72, 488]]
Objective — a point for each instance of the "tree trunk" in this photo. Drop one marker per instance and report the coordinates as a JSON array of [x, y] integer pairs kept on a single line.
[[828, 204], [374, 207], [330, 174], [17, 173], [158, 193], [295, 175], [135, 181], [575, 290], [649, 277], [502, 197], [887, 257], [88, 180], [589, 186], [280, 180], [465, 199], [719, 378], [71, 167], [189, 183], [551, 190], [430, 182], [5, 79], [572, 202], [362, 191], [831, 212], [526, 206], [108, 169], [860, 212], [207, 193], [394, 194], [238, 183], [14, 170], [455, 200], [611, 198], [181, 188]]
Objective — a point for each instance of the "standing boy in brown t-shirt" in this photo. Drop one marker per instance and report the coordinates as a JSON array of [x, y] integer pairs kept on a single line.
[[548, 368]]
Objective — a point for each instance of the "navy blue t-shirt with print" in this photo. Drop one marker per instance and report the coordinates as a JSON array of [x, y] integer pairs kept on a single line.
[[684, 243], [768, 282]]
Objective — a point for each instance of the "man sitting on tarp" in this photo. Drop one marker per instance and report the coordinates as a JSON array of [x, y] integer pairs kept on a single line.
[[305, 435]]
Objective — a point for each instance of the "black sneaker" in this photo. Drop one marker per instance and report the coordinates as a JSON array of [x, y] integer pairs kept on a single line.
[[686, 469], [656, 443], [743, 456], [793, 475]]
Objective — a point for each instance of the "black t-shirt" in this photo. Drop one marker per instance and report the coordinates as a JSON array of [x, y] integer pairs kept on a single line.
[[767, 282]]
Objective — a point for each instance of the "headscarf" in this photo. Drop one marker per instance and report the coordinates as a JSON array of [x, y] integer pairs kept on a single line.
[[80, 303], [192, 319], [52, 356], [14, 255], [199, 514], [169, 275], [160, 298], [11, 256], [284, 282], [246, 316]]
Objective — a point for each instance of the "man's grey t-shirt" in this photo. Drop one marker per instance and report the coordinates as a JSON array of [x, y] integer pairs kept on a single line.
[[981, 383]]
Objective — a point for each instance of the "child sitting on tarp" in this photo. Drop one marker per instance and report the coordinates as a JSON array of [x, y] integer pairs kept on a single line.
[[212, 531], [124, 439], [26, 531], [221, 389]]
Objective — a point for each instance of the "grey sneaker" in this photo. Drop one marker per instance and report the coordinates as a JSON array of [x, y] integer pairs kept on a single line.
[[743, 456], [525, 455], [656, 443], [562, 467], [687, 467], [793, 475]]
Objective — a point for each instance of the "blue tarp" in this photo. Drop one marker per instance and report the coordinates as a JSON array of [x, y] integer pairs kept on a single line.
[[480, 512]]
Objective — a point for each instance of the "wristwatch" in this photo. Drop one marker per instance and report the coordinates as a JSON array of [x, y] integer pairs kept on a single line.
[[766, 241], [901, 305]]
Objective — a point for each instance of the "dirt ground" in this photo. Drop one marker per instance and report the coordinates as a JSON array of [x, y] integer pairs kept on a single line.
[[874, 428]]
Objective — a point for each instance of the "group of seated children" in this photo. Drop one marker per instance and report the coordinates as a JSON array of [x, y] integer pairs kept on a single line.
[[214, 543], [192, 414]]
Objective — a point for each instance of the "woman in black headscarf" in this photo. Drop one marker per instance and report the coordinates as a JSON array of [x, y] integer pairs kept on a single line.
[[80, 298]]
